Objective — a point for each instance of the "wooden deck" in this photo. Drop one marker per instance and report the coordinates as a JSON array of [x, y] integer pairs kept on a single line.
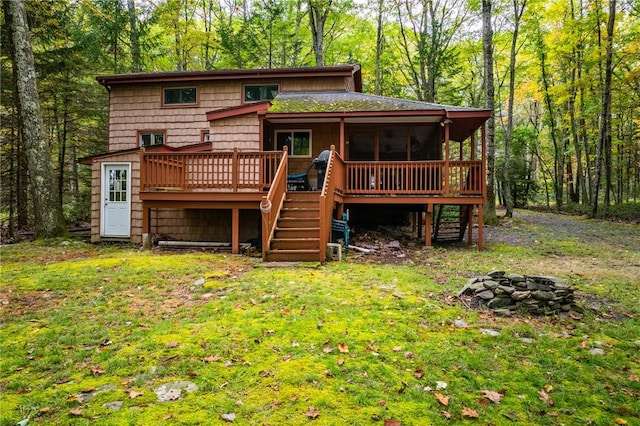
[[257, 180], [249, 175]]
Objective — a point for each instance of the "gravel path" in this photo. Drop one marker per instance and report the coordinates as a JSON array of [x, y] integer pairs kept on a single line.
[[529, 226]]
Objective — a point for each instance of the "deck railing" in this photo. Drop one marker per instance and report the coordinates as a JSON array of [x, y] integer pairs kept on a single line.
[[237, 170], [231, 170], [437, 178], [271, 204], [333, 182]]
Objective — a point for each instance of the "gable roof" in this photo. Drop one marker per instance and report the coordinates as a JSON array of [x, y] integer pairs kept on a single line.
[[197, 147], [356, 107], [237, 74]]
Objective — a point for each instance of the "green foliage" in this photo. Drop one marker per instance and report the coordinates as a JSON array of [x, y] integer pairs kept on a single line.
[[524, 185]]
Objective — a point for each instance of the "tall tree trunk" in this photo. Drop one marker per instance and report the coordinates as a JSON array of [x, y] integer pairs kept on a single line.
[[518, 10], [604, 137], [558, 151], [318, 12], [379, 40], [49, 220], [487, 49], [136, 62]]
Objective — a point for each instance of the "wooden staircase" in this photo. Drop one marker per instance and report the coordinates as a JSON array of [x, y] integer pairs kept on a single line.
[[450, 222], [297, 233]]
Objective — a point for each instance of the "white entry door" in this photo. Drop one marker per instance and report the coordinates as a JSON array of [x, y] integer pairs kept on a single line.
[[116, 200]]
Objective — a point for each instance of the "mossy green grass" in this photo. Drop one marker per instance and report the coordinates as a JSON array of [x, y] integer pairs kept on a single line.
[[360, 343]]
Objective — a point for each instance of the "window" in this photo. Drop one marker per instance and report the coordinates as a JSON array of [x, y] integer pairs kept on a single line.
[[297, 141], [180, 96], [261, 92], [151, 138]]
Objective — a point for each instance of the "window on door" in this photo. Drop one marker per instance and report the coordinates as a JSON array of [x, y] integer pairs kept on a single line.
[[118, 185], [298, 142], [151, 138]]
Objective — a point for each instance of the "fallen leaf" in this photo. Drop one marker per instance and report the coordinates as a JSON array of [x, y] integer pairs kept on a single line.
[[442, 399], [97, 371], [548, 388], [340, 361], [392, 422], [620, 421], [287, 357], [76, 412], [544, 397], [275, 404], [327, 350], [293, 398], [172, 344], [312, 413], [446, 414], [343, 348], [167, 416], [286, 311], [634, 378], [212, 358], [62, 380], [45, 409], [133, 393], [468, 412], [397, 348], [492, 396], [419, 373]]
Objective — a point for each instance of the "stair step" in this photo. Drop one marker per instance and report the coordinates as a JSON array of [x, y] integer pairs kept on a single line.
[[295, 244], [311, 232], [298, 222], [311, 212], [293, 255]]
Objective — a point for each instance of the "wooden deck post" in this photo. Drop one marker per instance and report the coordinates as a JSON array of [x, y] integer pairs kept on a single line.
[[235, 231], [342, 141], [447, 151], [427, 225], [146, 227], [480, 226], [470, 224], [234, 170]]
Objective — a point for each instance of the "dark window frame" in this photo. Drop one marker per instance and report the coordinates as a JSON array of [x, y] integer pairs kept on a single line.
[[153, 133], [290, 145], [180, 102], [261, 97]]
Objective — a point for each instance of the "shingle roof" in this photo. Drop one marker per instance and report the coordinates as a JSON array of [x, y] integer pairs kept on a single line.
[[340, 101]]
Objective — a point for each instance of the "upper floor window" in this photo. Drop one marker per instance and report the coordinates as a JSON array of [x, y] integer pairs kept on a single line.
[[298, 142], [180, 96], [260, 92], [151, 138]]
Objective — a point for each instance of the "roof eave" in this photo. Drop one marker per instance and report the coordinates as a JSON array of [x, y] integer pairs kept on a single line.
[[243, 74]]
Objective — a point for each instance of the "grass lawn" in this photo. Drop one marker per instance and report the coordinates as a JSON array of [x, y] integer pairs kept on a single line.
[[88, 333]]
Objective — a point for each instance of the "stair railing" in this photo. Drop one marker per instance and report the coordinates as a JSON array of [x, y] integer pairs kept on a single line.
[[271, 204], [333, 180]]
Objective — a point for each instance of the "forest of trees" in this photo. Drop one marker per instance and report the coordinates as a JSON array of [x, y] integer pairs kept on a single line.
[[565, 79]]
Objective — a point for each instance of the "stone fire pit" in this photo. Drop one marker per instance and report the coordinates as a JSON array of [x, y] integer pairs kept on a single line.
[[506, 293]]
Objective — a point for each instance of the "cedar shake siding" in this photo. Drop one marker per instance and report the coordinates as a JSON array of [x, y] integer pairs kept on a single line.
[[140, 108], [241, 132]]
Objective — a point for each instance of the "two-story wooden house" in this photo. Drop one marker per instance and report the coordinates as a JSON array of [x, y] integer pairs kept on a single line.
[[205, 156]]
